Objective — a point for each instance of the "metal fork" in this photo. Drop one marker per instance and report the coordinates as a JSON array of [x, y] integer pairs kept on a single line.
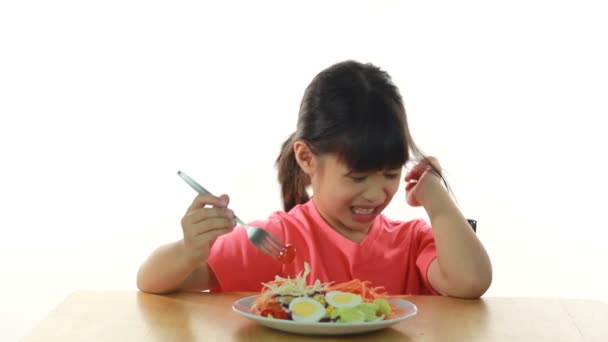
[[258, 236]]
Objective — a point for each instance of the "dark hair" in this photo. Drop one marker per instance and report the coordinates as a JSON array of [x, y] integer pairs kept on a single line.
[[354, 111]]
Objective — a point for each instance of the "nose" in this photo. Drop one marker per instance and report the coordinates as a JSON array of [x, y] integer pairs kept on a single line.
[[374, 193]]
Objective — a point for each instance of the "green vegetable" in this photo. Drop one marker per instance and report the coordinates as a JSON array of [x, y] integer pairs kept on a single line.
[[364, 312], [383, 306], [348, 315], [369, 311]]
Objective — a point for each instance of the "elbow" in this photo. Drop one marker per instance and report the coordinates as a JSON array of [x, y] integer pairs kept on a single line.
[[478, 283], [476, 286], [473, 287], [142, 285], [473, 290], [147, 286]]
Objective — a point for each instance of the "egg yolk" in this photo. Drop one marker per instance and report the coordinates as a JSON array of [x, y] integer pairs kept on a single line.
[[342, 298], [303, 309]]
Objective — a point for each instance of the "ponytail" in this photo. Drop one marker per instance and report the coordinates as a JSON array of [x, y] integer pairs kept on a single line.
[[291, 177]]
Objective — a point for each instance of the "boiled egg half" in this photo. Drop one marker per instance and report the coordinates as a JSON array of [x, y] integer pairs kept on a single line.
[[306, 309], [339, 299]]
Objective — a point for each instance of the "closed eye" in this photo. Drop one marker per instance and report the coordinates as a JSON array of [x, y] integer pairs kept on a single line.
[[392, 175], [358, 179]]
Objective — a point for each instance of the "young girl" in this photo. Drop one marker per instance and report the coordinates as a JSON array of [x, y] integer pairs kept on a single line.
[[351, 144]]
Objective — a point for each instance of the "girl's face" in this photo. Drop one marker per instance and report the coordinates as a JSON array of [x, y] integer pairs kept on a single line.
[[350, 201]]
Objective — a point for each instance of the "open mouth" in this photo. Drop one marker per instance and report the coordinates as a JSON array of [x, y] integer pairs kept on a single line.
[[362, 211]]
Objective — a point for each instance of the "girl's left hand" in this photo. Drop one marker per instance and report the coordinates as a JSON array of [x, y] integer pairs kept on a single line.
[[420, 179]]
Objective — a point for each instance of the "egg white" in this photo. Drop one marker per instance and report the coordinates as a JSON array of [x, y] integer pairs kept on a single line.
[[300, 314], [352, 299]]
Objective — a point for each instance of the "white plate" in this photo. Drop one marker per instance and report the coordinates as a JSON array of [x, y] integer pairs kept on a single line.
[[243, 307]]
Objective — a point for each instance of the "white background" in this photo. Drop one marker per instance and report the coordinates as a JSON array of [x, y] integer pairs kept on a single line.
[[101, 103]]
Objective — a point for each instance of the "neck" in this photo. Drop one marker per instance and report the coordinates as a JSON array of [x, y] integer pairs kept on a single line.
[[355, 235]]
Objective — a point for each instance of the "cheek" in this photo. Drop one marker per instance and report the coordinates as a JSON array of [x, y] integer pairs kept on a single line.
[[391, 189], [340, 194], [337, 193]]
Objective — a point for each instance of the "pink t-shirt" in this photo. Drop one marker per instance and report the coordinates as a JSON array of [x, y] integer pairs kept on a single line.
[[395, 255]]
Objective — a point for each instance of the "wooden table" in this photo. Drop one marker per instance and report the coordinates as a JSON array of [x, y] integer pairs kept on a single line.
[[136, 316]]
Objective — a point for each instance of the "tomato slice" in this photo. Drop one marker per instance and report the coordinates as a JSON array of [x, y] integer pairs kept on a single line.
[[287, 254], [275, 310]]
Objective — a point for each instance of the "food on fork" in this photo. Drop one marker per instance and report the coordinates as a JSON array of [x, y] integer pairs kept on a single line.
[[287, 254], [354, 301]]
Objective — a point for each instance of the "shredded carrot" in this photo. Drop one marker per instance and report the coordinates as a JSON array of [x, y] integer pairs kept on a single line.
[[262, 302]]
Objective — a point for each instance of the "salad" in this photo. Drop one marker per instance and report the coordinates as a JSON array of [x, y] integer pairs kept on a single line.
[[354, 301]]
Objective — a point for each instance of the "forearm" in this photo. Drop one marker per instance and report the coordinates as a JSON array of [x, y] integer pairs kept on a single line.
[[167, 269], [463, 261]]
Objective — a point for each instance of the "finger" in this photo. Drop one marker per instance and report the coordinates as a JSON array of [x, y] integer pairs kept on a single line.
[[197, 215], [200, 218], [433, 165], [206, 240], [411, 200], [434, 162], [202, 200], [409, 187], [417, 171], [225, 199], [213, 235], [425, 164], [206, 226]]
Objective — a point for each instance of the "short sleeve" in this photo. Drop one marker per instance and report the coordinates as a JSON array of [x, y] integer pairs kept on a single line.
[[238, 264], [426, 253]]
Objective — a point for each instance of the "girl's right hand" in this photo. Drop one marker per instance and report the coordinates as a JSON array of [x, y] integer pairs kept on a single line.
[[202, 225]]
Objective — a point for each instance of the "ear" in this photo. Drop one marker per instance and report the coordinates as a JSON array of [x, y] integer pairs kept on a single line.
[[304, 156]]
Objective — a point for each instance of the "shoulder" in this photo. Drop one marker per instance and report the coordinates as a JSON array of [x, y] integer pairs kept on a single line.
[[416, 231], [417, 225]]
